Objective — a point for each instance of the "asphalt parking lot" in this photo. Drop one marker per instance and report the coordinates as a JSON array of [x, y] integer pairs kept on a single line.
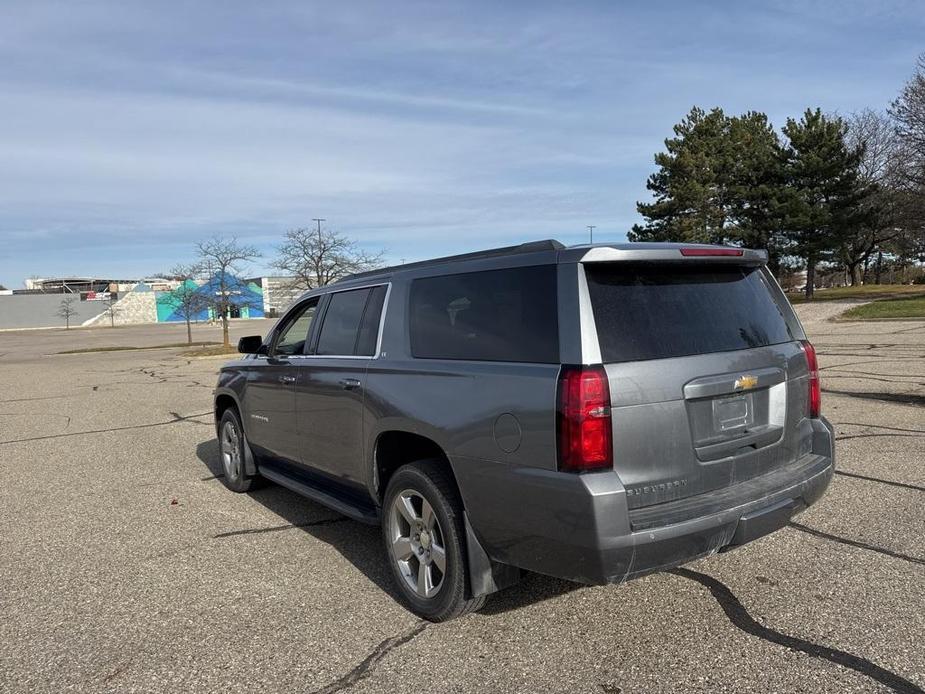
[[127, 566]]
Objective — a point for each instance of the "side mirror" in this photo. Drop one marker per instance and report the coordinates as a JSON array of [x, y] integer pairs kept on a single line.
[[251, 344]]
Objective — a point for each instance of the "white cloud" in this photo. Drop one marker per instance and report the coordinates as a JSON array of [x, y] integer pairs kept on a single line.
[[424, 128]]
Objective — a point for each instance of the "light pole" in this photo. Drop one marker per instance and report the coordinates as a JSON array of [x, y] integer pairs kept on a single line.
[[591, 229], [316, 219]]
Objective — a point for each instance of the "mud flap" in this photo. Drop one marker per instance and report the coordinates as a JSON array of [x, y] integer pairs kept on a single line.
[[764, 521], [485, 575], [250, 465]]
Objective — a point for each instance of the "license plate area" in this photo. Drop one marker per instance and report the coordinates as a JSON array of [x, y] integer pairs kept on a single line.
[[728, 418], [733, 413]]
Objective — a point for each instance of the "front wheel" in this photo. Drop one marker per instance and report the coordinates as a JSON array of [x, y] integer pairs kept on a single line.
[[422, 524], [231, 443]]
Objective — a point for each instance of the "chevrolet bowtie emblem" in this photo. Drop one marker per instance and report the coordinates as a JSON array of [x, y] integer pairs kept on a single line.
[[745, 382]]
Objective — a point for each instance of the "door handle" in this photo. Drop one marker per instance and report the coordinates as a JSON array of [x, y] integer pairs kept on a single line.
[[287, 379], [349, 383]]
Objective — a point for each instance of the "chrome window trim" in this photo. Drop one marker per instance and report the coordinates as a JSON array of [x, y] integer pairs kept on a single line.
[[385, 306], [330, 356], [590, 347]]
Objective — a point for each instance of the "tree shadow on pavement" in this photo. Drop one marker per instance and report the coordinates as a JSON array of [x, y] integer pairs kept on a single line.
[[361, 544]]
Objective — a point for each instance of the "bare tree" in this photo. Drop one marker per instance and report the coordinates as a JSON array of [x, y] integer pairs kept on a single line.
[[316, 257], [111, 308], [908, 111], [224, 259], [189, 298], [67, 311], [879, 221]]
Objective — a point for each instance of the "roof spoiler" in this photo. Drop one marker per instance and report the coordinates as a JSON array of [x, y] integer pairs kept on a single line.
[[678, 253]]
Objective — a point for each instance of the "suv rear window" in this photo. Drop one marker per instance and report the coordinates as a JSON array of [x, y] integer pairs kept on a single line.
[[660, 311], [494, 315], [351, 323]]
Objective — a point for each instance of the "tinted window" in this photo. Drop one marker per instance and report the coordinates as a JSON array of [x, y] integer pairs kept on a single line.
[[496, 315], [654, 312], [292, 339], [342, 322], [369, 326]]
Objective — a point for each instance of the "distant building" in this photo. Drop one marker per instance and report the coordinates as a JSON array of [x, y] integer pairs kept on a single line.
[[75, 285], [245, 297], [153, 300], [279, 293], [85, 285]]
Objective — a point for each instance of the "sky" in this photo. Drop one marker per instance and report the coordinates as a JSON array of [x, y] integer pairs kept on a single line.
[[131, 130]]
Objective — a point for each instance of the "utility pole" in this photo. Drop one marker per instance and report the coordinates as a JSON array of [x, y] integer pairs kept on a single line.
[[316, 219], [591, 229]]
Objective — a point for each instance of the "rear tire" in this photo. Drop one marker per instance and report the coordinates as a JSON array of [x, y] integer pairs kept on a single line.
[[424, 535], [231, 447]]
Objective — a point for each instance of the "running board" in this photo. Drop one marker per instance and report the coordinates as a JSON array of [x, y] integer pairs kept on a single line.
[[335, 503]]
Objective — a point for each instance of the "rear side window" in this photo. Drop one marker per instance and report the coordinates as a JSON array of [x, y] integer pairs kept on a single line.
[[495, 315], [660, 311], [369, 326], [351, 323]]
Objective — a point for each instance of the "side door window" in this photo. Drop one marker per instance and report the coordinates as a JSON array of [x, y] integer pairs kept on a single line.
[[351, 323], [294, 334]]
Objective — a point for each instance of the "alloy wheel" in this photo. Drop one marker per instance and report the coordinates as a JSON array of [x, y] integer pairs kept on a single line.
[[417, 543], [231, 451]]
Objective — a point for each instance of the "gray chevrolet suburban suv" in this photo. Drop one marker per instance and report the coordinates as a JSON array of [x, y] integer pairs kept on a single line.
[[594, 413]]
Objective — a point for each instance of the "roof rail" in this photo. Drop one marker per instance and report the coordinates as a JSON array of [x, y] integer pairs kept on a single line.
[[529, 247]]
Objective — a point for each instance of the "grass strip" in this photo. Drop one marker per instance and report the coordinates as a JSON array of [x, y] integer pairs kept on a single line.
[[864, 291], [116, 348], [884, 309]]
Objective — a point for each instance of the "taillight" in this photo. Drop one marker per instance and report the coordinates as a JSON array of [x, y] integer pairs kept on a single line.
[[697, 252], [585, 441], [814, 400]]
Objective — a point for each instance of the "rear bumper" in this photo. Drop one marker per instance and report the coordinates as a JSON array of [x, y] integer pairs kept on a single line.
[[667, 546], [578, 527]]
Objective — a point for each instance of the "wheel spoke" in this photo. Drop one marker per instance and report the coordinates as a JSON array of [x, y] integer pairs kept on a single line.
[[427, 514], [425, 580], [438, 557], [407, 510], [401, 548]]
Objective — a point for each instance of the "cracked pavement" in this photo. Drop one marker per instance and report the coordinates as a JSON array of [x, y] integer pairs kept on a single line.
[[128, 567]]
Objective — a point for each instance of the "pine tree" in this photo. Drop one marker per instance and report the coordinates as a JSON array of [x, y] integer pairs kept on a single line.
[[758, 191], [720, 180], [823, 174], [690, 186]]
